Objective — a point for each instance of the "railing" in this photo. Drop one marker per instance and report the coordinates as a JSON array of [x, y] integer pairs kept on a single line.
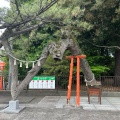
[[62, 83], [109, 83]]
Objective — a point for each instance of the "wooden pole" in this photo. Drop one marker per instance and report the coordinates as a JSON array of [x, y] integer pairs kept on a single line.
[[78, 57], [78, 82], [70, 80]]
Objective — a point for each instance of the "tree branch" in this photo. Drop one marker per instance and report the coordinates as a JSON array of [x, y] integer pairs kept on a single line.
[[47, 7], [30, 18], [117, 47], [116, 35], [33, 71], [26, 30], [17, 7]]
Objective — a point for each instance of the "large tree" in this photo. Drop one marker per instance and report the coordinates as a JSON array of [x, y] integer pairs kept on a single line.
[[95, 23], [105, 17], [75, 17], [22, 17], [25, 16], [91, 23]]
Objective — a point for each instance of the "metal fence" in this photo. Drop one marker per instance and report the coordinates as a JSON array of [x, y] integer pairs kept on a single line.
[[109, 83], [62, 83]]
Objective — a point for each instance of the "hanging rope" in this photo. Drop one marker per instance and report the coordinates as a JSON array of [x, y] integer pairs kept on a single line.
[[23, 61], [90, 80]]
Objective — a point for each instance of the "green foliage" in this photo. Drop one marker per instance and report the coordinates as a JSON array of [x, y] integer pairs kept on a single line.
[[100, 70], [89, 22], [57, 68], [101, 65], [28, 47]]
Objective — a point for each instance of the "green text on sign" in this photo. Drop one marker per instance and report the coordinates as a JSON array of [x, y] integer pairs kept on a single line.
[[44, 78]]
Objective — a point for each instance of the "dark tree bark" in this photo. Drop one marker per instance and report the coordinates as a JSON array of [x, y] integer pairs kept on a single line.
[[117, 65], [15, 90], [57, 50], [117, 62], [14, 68]]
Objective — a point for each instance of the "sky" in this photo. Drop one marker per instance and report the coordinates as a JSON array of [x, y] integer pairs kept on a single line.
[[3, 3]]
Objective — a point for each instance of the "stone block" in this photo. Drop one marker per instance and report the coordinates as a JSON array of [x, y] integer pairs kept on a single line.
[[14, 105]]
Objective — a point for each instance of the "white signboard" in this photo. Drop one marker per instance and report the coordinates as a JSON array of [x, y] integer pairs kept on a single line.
[[45, 82]]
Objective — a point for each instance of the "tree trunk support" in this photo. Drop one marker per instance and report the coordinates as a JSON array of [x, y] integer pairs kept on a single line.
[[78, 57]]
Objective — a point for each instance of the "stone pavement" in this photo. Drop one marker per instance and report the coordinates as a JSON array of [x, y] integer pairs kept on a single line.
[[55, 108]]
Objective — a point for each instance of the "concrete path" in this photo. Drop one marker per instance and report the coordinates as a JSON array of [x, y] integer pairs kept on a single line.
[[108, 103], [55, 108]]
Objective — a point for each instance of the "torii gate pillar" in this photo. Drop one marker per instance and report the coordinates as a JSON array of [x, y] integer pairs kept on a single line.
[[78, 57]]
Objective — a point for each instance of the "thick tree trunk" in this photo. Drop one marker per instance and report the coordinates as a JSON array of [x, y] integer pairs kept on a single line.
[[33, 71], [117, 66], [117, 62], [57, 50], [15, 90], [14, 68], [75, 50]]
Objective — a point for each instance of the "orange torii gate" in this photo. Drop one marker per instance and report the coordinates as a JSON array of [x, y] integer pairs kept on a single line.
[[78, 57]]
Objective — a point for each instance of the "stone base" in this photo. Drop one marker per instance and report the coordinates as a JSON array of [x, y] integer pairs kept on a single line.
[[13, 107], [72, 106]]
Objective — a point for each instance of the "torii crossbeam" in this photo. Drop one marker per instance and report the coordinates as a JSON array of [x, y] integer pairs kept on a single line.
[[78, 57]]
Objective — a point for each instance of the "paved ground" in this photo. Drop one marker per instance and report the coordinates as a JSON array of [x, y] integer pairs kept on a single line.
[[55, 108]]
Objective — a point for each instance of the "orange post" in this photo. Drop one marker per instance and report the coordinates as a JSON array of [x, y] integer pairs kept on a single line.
[[78, 79], [1, 82], [78, 57], [78, 83], [70, 79], [2, 65]]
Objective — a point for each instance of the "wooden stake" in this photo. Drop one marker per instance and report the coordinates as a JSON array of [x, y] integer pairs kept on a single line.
[[78, 82], [78, 57], [70, 81]]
